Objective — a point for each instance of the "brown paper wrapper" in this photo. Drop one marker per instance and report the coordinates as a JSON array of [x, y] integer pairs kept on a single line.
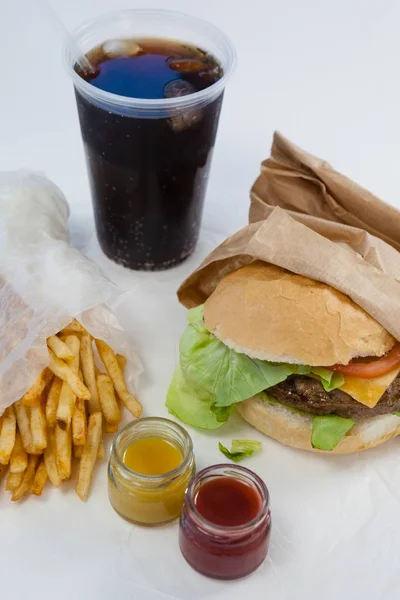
[[300, 182], [311, 220]]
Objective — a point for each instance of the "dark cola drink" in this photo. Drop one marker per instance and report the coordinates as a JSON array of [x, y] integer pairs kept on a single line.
[[148, 165]]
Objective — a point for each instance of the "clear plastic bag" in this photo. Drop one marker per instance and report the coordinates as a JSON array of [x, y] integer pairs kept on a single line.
[[45, 283]]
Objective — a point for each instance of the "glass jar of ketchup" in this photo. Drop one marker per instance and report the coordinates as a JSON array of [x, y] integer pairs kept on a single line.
[[225, 522]]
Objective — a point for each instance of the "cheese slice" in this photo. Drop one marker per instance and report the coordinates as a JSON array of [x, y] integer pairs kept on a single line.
[[368, 391]]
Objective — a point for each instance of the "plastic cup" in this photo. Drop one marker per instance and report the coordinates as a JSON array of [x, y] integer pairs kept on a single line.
[[148, 170]]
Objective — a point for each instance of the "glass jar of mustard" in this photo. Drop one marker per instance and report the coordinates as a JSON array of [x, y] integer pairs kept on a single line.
[[150, 467]]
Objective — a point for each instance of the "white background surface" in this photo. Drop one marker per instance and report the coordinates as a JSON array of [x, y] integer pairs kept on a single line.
[[327, 75]]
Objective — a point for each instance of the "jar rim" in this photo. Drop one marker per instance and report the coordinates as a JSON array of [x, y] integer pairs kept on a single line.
[[251, 477], [154, 479]]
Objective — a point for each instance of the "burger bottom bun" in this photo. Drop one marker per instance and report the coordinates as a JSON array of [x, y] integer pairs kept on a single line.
[[294, 429]]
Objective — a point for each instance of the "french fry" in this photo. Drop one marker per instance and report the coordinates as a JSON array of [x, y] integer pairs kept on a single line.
[[53, 398], [50, 460], [39, 481], [59, 348], [111, 364], [97, 371], [36, 390], [110, 428], [65, 406], [88, 459], [74, 344], [67, 397], [79, 423], [51, 422], [122, 362], [7, 435], [78, 451], [89, 376], [64, 372], [38, 428], [21, 413], [73, 328], [13, 481], [63, 451], [27, 479], [18, 458], [3, 469], [101, 451], [108, 402]]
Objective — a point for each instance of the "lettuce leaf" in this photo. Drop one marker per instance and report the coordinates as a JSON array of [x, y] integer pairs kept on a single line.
[[196, 315], [222, 413], [193, 406], [240, 449], [211, 377], [330, 380], [397, 413], [227, 375], [328, 430]]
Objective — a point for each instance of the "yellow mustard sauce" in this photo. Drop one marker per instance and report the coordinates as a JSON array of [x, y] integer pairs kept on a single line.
[[152, 456], [150, 468]]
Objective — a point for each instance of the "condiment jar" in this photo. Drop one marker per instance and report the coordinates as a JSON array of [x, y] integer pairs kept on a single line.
[[149, 499], [220, 551]]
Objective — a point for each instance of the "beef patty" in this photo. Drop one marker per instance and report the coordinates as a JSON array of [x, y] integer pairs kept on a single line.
[[308, 395]]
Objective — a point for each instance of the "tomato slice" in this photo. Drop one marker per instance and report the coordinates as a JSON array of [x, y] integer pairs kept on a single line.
[[375, 368]]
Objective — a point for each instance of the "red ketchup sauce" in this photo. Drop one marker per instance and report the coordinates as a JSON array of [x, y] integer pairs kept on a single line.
[[225, 522]]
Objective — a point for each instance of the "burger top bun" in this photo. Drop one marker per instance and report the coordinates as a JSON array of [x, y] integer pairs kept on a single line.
[[269, 313]]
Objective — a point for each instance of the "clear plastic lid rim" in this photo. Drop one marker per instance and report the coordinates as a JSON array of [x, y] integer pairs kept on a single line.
[[149, 108]]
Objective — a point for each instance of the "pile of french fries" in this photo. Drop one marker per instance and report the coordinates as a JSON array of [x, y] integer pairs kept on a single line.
[[62, 416]]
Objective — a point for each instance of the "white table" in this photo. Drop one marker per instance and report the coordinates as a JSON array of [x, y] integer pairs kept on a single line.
[[326, 75]]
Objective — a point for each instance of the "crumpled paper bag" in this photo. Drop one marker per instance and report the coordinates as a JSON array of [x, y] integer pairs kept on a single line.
[[45, 283], [311, 220], [299, 182]]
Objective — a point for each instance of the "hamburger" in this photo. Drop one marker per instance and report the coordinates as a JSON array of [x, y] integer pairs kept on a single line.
[[299, 360]]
